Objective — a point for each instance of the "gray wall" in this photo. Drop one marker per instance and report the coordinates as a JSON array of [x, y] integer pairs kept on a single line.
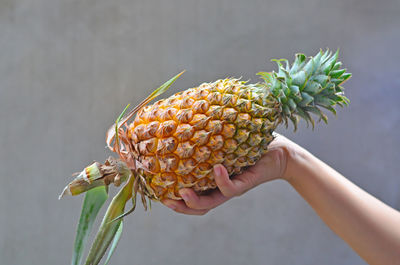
[[67, 68]]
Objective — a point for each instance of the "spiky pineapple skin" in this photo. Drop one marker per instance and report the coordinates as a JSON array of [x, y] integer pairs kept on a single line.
[[178, 140]]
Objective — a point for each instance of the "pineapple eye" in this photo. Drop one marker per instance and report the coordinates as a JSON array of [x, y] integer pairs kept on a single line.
[[216, 142], [168, 163], [167, 145], [215, 126], [200, 106], [201, 154], [185, 149], [184, 115], [229, 114], [166, 129], [199, 121], [184, 132], [186, 166], [148, 146]]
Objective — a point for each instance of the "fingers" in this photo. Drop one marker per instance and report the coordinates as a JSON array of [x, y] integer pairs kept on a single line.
[[203, 202], [225, 185], [194, 204], [227, 189], [181, 207], [236, 186]]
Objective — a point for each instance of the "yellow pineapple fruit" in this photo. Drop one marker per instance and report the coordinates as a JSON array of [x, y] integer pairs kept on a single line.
[[175, 142], [178, 140]]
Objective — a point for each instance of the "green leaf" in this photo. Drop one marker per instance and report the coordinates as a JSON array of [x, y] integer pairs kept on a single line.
[[343, 100], [292, 104], [330, 63], [322, 79], [279, 62], [286, 110], [313, 63], [299, 78], [115, 242], [326, 103], [108, 228], [92, 203], [317, 112], [312, 87], [307, 99], [165, 86], [295, 121], [345, 76], [295, 90], [336, 66], [310, 119], [283, 98], [267, 77], [337, 73], [303, 115], [276, 88], [298, 63], [306, 116], [337, 81], [325, 57], [286, 90]]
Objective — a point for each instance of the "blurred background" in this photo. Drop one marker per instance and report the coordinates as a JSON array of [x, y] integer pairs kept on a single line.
[[68, 68]]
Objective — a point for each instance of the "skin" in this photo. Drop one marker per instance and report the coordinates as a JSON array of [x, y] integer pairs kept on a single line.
[[370, 227]]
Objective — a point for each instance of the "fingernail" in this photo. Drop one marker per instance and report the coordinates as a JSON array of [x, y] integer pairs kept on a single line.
[[217, 170], [170, 205]]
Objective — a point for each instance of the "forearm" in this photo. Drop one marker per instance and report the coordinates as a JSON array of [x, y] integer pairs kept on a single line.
[[369, 226]]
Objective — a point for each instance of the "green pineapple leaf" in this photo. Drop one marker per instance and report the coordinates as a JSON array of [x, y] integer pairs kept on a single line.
[[115, 242], [94, 200], [306, 85], [267, 77], [109, 229]]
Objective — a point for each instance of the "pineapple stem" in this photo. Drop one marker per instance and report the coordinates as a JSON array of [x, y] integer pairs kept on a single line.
[[112, 171], [306, 86]]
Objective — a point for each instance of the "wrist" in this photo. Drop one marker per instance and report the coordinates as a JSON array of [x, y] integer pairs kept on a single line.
[[296, 158]]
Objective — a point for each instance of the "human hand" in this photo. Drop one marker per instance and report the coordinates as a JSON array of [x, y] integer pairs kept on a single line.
[[271, 166]]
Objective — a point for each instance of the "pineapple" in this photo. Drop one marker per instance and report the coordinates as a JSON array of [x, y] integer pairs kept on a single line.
[[178, 140], [175, 142]]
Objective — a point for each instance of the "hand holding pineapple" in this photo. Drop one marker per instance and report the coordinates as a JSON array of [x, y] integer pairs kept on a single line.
[[368, 225], [271, 166]]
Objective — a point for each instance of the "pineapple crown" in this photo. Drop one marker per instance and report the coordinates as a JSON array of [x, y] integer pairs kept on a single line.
[[307, 85]]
